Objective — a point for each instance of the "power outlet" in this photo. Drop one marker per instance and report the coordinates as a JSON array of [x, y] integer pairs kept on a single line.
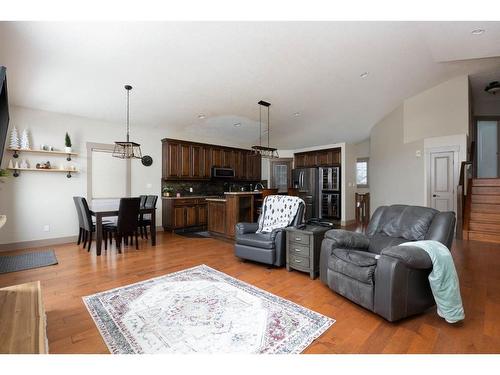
[[46, 228]]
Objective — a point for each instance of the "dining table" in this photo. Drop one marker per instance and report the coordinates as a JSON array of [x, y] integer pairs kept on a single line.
[[111, 210]]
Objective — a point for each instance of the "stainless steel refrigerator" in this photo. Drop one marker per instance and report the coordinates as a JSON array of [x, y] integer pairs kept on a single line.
[[306, 180], [329, 193]]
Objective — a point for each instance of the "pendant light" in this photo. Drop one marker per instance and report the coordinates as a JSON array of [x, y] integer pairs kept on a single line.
[[127, 149], [266, 152]]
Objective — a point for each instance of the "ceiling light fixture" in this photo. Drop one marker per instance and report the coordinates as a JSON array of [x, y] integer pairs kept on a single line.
[[237, 125], [492, 87], [201, 116], [364, 75], [265, 152], [127, 149], [477, 31]]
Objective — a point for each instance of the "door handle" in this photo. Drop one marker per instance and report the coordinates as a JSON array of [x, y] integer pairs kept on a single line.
[[435, 195]]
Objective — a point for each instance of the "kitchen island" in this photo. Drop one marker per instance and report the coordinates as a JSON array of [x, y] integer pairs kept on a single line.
[[225, 213]]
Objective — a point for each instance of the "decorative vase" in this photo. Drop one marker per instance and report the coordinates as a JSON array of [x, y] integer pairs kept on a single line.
[[67, 150], [11, 164]]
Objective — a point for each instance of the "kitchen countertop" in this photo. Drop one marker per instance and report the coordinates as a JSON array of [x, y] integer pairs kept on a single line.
[[243, 193], [191, 197], [215, 199]]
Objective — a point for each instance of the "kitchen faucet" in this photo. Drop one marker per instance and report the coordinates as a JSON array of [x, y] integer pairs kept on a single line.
[[257, 185]]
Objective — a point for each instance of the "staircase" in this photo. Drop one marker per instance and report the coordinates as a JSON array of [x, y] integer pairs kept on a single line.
[[484, 214]]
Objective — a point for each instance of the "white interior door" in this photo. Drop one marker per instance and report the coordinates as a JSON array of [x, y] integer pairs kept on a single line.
[[487, 149], [442, 181]]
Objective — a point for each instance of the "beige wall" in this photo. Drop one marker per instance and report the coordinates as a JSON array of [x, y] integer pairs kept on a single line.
[[440, 111], [396, 174]]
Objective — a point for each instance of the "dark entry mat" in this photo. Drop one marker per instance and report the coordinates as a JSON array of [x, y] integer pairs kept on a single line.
[[12, 263]]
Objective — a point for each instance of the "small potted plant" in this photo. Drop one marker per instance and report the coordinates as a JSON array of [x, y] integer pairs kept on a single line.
[[67, 143], [167, 191]]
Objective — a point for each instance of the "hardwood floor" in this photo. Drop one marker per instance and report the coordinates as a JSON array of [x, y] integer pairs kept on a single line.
[[71, 329]]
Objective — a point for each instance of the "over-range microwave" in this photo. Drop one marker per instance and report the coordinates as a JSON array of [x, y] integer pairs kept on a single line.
[[222, 172]]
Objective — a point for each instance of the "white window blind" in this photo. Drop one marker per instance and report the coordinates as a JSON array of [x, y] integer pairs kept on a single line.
[[280, 174], [109, 175], [362, 172]]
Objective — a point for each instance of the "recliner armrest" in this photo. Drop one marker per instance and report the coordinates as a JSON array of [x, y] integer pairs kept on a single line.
[[411, 256], [244, 228], [348, 240]]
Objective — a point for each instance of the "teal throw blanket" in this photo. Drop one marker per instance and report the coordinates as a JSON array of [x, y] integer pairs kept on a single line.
[[443, 280]]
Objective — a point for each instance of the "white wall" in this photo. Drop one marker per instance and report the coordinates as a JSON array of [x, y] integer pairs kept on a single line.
[[35, 199], [396, 174], [440, 111], [438, 117]]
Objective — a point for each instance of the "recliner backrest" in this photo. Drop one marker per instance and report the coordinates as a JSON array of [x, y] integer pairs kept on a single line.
[[412, 223], [299, 216]]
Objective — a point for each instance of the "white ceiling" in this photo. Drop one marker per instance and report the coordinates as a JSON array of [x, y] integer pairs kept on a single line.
[[221, 69]]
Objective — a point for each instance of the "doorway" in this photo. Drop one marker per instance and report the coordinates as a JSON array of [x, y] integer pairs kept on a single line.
[[487, 146], [442, 180]]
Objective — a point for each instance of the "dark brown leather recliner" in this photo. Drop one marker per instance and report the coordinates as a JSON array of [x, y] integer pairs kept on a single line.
[[374, 272]]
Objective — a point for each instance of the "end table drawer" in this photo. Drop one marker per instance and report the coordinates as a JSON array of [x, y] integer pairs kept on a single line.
[[301, 238], [299, 261], [299, 250]]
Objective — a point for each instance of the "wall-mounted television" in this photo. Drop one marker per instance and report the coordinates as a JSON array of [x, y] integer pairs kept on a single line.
[[4, 110]]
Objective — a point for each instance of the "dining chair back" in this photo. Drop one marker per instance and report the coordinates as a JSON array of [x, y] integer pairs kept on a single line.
[[76, 200], [128, 216], [143, 200], [86, 215], [78, 207]]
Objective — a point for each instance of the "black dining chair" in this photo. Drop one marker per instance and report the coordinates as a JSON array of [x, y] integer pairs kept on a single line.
[[86, 222], [145, 219], [127, 223], [80, 219], [143, 200]]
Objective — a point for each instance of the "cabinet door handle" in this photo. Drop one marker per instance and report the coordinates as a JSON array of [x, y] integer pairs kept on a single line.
[[298, 239], [297, 250], [298, 261]]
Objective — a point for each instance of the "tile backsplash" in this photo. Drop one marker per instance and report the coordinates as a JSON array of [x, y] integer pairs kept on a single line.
[[213, 187]]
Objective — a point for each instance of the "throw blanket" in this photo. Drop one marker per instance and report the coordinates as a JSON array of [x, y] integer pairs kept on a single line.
[[278, 211], [443, 280]]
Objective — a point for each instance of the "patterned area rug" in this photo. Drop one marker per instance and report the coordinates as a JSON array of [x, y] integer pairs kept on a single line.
[[201, 310]]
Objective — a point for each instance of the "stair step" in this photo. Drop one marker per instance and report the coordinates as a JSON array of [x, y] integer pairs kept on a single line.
[[486, 182], [485, 208], [485, 217], [486, 190], [484, 236], [490, 199], [484, 227]]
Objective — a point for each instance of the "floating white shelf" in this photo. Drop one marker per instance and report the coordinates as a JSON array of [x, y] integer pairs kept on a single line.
[[68, 171], [18, 151]]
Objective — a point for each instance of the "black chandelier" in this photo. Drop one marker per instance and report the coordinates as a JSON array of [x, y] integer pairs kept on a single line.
[[127, 149], [266, 152]]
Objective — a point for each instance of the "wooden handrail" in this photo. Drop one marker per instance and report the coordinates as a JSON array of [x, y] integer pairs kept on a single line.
[[464, 190]]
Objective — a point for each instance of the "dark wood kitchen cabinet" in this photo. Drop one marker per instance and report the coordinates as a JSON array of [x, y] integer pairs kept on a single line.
[[184, 213], [184, 161], [185, 166], [317, 158]]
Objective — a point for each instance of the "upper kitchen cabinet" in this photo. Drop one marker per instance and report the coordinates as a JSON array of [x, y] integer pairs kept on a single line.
[[183, 160], [317, 158]]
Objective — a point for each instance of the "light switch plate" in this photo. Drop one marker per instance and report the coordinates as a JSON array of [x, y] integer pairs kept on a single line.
[[418, 153]]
